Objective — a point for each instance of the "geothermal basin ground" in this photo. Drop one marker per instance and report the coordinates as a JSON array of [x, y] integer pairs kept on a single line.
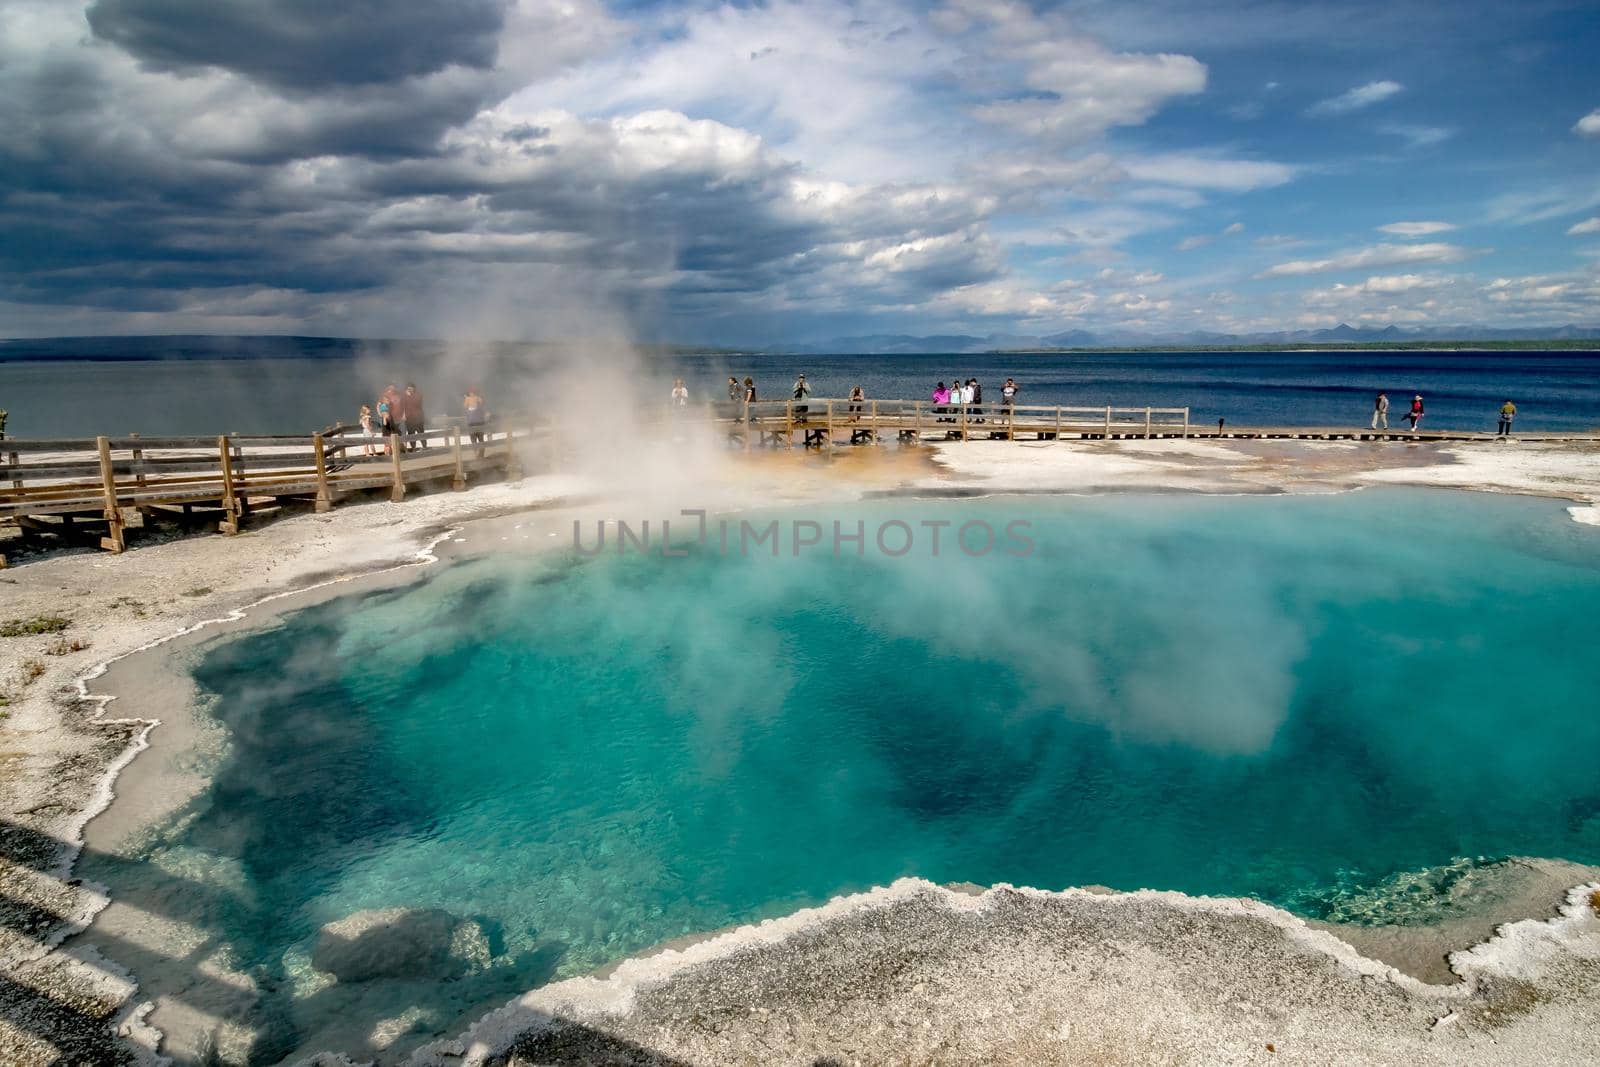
[[1190, 655]]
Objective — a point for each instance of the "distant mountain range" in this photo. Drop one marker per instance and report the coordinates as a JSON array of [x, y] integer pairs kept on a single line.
[[280, 347], [889, 344]]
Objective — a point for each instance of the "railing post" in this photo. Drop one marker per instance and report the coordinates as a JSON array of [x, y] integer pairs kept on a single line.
[[459, 482], [1011, 423], [241, 480], [830, 424], [746, 403], [138, 461], [788, 423], [1186, 422], [513, 457], [397, 490], [230, 500], [1147, 423], [1108, 422], [113, 541], [963, 422], [916, 420], [319, 454], [1058, 422]]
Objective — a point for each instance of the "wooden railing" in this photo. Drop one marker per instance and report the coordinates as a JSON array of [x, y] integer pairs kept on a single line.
[[832, 418], [92, 481], [86, 485]]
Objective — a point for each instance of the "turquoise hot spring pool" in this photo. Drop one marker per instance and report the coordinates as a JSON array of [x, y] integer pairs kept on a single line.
[[1301, 699]]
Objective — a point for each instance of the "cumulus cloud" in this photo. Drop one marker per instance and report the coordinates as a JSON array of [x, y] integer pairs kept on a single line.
[[1079, 88], [1377, 285], [1546, 295], [302, 45], [1587, 226], [1374, 256], [1589, 125], [1416, 229], [1362, 96]]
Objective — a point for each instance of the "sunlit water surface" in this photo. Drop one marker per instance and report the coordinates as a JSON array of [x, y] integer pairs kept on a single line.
[[1291, 698]]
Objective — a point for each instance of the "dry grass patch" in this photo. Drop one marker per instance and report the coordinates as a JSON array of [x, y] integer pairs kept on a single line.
[[34, 627]]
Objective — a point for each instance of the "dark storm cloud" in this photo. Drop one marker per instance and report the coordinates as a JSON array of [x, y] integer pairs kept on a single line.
[[282, 159], [304, 45]]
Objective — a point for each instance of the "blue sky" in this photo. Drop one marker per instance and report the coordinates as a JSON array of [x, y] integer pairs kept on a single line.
[[755, 173]]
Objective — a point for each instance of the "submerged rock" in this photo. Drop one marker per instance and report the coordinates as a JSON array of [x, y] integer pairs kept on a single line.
[[400, 943]]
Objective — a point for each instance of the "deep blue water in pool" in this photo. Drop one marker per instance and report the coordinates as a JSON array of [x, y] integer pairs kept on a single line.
[[1292, 698]]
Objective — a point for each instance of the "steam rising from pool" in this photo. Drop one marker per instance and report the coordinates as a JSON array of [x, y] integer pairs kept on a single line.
[[1291, 698]]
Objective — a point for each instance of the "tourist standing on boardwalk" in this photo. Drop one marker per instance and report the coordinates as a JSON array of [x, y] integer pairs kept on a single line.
[[369, 428], [680, 393], [1416, 412], [801, 391], [412, 421], [1508, 411], [749, 390], [477, 413], [1008, 393], [856, 399], [941, 398], [1380, 412], [389, 415], [977, 398], [734, 392]]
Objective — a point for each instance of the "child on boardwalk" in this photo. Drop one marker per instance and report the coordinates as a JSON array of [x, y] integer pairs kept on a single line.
[[369, 429]]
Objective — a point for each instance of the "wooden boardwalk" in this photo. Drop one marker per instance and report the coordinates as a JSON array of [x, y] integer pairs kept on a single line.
[[819, 422], [81, 490]]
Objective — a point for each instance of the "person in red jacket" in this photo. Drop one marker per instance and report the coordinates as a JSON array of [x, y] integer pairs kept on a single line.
[[1415, 414]]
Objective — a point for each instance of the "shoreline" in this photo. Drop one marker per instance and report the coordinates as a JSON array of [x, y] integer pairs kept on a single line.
[[622, 1003], [1139, 466]]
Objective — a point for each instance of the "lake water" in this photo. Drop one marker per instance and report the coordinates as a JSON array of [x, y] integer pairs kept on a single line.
[[1293, 698], [289, 394]]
